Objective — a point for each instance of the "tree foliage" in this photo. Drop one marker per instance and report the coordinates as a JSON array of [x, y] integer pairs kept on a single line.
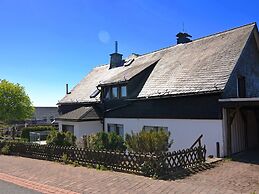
[[105, 141], [15, 104], [61, 138], [152, 141]]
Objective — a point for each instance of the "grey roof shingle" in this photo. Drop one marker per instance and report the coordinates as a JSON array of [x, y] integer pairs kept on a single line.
[[81, 114], [103, 75], [201, 66]]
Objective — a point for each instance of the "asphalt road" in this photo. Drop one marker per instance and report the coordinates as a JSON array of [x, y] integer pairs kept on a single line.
[[9, 188]]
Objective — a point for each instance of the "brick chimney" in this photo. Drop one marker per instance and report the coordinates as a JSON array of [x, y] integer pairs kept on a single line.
[[183, 37], [116, 58]]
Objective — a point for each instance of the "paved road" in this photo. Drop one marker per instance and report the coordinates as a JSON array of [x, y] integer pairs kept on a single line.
[[9, 188], [228, 177]]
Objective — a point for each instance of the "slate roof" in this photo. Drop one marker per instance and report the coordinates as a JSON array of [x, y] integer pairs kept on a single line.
[[103, 75], [81, 114], [201, 66]]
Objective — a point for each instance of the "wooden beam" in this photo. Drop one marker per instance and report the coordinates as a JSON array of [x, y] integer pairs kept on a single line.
[[245, 125], [230, 117]]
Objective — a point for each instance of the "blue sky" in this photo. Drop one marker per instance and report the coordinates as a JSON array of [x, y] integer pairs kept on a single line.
[[45, 44]]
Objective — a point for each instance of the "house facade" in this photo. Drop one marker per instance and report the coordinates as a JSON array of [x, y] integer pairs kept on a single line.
[[43, 115], [207, 86]]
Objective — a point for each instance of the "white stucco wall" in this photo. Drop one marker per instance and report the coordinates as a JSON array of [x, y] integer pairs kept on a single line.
[[83, 128], [183, 131]]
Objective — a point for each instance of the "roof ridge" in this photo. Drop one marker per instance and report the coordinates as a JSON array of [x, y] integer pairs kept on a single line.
[[171, 46], [231, 29]]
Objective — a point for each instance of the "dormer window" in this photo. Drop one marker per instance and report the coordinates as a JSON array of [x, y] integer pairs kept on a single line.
[[123, 91], [107, 93], [115, 92]]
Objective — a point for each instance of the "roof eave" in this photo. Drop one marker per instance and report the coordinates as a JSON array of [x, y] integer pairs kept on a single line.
[[180, 95], [83, 102], [78, 120]]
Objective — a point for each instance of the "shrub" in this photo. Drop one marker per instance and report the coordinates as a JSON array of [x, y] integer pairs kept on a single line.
[[64, 158], [61, 138], [152, 141], [105, 141], [5, 150], [26, 131]]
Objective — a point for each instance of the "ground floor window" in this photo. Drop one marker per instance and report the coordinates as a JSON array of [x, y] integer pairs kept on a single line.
[[66, 128], [156, 128], [117, 128]]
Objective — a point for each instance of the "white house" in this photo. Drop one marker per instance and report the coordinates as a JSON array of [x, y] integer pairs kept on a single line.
[[206, 86]]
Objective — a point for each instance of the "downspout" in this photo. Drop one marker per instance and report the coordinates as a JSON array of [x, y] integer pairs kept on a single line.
[[103, 111]]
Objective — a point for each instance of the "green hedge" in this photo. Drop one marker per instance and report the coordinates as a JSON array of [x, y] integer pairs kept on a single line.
[[26, 130]]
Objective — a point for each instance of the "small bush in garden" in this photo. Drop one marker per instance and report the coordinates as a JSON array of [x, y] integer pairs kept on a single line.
[[75, 164], [105, 141], [116, 142], [101, 167], [5, 150], [61, 138], [65, 159], [152, 141]]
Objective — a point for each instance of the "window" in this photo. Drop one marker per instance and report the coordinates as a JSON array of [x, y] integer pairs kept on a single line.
[[66, 128], [117, 128], [111, 92], [51, 118], [107, 93], [156, 128], [115, 92], [241, 87], [123, 91], [95, 93]]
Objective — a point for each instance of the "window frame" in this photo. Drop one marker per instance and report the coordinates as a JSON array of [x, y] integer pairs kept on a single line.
[[115, 97], [125, 90], [156, 128], [116, 129]]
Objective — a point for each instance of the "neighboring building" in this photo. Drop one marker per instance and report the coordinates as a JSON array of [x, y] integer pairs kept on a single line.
[[207, 86], [44, 115]]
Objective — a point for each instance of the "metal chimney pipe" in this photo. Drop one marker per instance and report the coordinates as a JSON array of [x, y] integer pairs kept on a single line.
[[67, 89]]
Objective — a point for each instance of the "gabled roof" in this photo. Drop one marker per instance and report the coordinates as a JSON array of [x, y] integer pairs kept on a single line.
[[81, 114], [201, 66], [103, 75]]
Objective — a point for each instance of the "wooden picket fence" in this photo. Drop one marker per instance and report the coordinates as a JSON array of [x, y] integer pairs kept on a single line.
[[120, 161]]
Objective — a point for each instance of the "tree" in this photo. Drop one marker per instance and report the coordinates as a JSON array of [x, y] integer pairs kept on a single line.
[[15, 104]]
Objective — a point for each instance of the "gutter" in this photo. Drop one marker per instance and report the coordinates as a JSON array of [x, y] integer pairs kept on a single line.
[[175, 95]]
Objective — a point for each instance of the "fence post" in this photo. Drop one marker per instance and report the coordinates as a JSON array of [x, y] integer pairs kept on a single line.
[[218, 149]]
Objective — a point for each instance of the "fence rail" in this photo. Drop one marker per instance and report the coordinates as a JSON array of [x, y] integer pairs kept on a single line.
[[121, 161]]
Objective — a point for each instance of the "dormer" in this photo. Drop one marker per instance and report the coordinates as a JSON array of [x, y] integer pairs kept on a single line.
[[113, 92]]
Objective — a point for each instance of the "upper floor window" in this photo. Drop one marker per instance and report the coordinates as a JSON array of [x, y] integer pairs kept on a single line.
[[115, 92], [123, 91], [241, 87], [107, 93]]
